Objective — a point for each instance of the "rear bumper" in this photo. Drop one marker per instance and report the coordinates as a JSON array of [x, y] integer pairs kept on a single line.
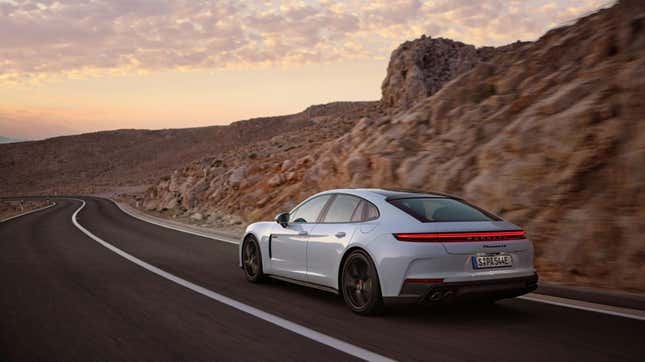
[[452, 291]]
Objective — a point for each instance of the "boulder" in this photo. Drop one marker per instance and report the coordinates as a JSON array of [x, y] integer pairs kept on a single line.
[[237, 175], [197, 216], [286, 165]]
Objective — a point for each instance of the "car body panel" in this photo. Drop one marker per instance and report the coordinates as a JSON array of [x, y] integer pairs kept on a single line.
[[325, 249], [288, 247]]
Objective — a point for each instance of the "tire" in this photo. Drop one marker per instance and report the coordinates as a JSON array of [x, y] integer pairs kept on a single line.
[[252, 260], [360, 284]]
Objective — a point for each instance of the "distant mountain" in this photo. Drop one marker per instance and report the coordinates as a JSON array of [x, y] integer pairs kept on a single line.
[[103, 161], [8, 140]]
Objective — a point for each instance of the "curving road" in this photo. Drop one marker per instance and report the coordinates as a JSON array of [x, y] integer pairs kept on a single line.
[[66, 297]]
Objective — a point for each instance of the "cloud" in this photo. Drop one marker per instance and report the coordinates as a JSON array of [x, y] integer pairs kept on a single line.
[[45, 39]]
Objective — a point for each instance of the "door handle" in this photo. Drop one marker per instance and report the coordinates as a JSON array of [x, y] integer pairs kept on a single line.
[[303, 233], [340, 234]]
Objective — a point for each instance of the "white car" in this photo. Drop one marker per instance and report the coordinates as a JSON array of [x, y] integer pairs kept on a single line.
[[375, 245]]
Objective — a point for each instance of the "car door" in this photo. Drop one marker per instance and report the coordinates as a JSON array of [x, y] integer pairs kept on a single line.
[[288, 245], [330, 237]]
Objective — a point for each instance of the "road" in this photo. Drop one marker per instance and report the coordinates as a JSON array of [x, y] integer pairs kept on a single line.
[[66, 297]]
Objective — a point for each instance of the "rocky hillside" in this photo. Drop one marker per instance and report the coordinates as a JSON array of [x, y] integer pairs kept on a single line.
[[420, 68], [549, 135], [104, 161]]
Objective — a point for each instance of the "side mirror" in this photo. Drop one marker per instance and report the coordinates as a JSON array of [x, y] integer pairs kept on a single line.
[[282, 219]]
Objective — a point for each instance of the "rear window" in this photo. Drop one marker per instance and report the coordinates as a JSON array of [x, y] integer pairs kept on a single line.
[[439, 209]]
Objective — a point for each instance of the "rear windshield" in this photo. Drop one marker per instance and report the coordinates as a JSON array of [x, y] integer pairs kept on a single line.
[[436, 209]]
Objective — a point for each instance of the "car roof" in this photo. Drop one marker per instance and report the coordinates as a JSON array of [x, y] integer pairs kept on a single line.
[[389, 194]]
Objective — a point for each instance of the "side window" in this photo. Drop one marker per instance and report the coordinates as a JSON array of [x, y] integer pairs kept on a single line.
[[371, 211], [342, 208], [309, 211], [358, 213]]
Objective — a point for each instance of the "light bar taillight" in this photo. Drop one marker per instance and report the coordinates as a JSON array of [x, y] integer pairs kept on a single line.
[[461, 237]]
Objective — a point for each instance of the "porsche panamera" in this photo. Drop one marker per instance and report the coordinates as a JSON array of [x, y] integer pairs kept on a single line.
[[376, 246]]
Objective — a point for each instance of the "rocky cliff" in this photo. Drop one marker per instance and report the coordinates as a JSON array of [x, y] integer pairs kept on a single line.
[[419, 68], [549, 135]]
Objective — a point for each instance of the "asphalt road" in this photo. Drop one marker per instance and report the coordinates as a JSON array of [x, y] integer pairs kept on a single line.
[[66, 297]]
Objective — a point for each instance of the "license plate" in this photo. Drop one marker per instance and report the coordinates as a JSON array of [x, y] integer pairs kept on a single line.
[[492, 261]]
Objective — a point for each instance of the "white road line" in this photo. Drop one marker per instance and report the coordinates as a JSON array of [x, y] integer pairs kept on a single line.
[[581, 305], [27, 213], [561, 302], [177, 228], [278, 321]]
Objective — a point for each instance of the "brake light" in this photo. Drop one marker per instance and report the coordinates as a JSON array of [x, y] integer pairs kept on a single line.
[[460, 237]]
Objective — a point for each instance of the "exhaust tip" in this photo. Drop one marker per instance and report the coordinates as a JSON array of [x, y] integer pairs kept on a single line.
[[436, 296]]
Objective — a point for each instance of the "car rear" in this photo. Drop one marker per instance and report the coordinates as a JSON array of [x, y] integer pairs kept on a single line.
[[441, 248]]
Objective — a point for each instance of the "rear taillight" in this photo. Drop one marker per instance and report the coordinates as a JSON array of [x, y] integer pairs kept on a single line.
[[461, 237]]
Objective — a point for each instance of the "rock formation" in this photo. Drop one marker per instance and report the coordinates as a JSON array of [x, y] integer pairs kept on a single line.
[[419, 68]]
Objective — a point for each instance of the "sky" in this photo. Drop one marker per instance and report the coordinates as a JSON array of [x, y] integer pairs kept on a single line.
[[73, 66]]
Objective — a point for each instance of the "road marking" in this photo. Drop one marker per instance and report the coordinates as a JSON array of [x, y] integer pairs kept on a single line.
[[278, 321], [533, 297], [27, 213], [586, 306], [177, 228]]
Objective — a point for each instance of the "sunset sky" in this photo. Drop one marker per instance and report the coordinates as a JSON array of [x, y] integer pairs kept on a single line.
[[77, 66]]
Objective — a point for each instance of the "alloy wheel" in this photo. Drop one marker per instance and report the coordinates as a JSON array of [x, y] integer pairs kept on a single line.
[[358, 284], [251, 259]]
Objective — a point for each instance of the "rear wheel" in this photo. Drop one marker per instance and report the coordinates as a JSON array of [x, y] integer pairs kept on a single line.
[[360, 284], [252, 260]]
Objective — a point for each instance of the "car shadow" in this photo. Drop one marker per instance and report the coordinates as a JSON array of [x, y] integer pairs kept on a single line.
[[501, 312]]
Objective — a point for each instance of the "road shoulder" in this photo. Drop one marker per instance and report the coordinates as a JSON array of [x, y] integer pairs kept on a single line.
[[179, 226], [9, 211]]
